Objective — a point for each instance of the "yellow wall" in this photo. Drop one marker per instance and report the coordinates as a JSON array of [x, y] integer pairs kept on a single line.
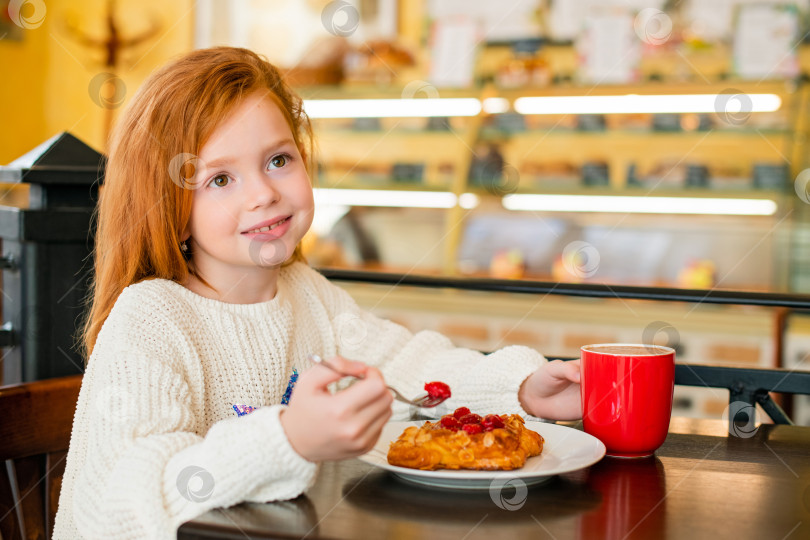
[[45, 77]]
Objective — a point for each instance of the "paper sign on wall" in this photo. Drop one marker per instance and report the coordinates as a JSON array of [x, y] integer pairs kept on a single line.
[[609, 49], [766, 38], [454, 49]]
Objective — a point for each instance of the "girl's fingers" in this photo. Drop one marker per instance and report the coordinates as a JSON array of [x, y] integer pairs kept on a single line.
[[371, 420], [564, 370], [375, 429], [317, 377], [573, 371], [351, 367], [366, 393]]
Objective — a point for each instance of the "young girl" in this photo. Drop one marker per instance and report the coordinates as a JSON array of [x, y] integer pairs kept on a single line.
[[203, 309]]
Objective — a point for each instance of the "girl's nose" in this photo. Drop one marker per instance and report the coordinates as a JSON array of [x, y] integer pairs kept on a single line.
[[261, 191]]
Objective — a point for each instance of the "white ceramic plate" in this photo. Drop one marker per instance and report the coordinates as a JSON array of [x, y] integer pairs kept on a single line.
[[565, 450]]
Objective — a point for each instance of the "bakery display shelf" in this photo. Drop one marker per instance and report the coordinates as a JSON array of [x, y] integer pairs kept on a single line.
[[376, 184], [715, 134], [527, 187]]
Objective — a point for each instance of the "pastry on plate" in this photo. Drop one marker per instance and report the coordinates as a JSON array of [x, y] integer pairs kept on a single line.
[[466, 441]]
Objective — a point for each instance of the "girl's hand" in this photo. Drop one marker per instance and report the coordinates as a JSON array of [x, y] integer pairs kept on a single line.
[[553, 391], [324, 426]]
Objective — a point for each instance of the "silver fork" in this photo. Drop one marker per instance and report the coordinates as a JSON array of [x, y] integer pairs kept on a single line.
[[423, 402]]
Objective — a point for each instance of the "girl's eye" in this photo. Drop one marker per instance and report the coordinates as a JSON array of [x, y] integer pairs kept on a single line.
[[221, 180], [279, 161]]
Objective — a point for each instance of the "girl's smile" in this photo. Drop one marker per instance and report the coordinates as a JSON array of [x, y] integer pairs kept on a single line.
[[270, 229]]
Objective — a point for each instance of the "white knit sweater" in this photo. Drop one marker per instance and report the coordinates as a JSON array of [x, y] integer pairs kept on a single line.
[[156, 440]]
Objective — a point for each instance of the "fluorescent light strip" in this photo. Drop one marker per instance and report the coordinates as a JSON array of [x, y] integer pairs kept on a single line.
[[468, 200], [640, 205], [496, 105], [391, 108], [399, 199], [731, 104]]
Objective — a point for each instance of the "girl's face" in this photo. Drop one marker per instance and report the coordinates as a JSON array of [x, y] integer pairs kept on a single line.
[[253, 200]]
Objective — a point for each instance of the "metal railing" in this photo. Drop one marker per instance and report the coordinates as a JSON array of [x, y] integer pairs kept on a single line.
[[747, 386]]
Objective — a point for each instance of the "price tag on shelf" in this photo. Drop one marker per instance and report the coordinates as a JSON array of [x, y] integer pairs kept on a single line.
[[407, 173]]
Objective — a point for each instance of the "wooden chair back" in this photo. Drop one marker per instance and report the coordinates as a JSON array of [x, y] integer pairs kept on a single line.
[[35, 423]]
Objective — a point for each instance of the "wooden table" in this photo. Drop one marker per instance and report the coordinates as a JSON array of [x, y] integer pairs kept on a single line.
[[702, 483]]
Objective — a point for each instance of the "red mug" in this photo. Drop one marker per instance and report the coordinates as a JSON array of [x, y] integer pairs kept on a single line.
[[627, 396]]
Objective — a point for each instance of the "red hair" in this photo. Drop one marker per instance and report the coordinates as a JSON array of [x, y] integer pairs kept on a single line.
[[142, 210]]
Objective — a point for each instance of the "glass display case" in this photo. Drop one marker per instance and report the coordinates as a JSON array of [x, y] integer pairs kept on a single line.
[[686, 185]]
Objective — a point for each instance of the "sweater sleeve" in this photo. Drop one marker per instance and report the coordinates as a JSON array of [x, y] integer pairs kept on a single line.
[[484, 383], [146, 467]]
